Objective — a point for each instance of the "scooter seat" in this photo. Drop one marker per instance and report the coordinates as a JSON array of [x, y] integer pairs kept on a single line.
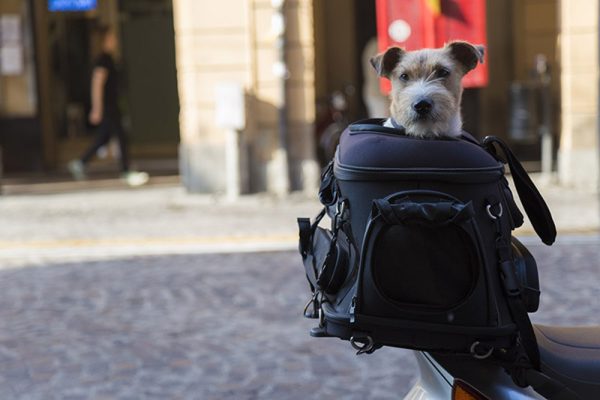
[[571, 355]]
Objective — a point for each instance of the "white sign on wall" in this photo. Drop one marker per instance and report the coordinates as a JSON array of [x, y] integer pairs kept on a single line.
[[11, 60], [230, 107], [10, 29], [11, 49]]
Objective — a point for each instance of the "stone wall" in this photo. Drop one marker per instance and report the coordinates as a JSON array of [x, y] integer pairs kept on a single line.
[[231, 41], [578, 153]]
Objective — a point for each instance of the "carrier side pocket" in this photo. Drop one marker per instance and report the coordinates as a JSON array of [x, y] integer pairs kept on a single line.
[[325, 255]]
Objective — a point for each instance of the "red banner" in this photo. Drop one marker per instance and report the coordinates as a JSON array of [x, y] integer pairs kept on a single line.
[[416, 24]]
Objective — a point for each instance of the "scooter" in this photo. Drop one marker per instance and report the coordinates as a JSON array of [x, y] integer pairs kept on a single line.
[[569, 355]]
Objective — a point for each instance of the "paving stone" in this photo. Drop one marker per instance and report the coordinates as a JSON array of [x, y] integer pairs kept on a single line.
[[215, 326]]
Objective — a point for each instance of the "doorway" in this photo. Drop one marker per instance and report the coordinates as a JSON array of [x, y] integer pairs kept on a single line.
[[147, 81], [148, 40], [342, 30]]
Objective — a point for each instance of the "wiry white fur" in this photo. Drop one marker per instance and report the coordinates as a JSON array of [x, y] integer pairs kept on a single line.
[[444, 119], [433, 75], [454, 130]]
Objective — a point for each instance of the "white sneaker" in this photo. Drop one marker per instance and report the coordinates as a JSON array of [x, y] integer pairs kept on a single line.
[[134, 178], [77, 169]]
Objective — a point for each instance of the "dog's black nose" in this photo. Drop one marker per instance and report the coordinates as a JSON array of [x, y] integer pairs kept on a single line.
[[423, 107]]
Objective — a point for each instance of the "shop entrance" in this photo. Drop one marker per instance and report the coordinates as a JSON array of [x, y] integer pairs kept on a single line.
[[147, 82]]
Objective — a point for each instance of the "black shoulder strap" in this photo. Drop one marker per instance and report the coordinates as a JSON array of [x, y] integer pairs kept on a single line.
[[532, 200], [526, 371], [515, 303]]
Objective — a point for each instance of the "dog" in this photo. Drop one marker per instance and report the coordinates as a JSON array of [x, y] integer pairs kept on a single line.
[[426, 87]]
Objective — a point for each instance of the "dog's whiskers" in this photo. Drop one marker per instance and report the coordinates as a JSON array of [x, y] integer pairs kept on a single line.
[[434, 80], [429, 77]]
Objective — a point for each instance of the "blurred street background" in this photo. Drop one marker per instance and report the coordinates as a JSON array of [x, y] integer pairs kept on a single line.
[[188, 285]]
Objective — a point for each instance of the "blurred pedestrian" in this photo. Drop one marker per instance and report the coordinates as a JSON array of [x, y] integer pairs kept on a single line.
[[105, 114]]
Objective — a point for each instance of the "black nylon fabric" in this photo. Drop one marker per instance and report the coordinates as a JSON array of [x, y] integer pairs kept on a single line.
[[383, 149], [424, 266], [426, 218], [440, 213]]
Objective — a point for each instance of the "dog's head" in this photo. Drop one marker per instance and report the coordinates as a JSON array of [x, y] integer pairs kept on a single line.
[[426, 86]]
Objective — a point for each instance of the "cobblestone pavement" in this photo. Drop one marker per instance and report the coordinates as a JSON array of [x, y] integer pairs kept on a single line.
[[213, 327]]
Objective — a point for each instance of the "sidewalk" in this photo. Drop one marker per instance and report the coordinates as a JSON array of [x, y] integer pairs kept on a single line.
[[164, 219], [575, 211], [160, 219]]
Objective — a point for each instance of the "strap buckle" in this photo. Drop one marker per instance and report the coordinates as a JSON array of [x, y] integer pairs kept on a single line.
[[340, 209], [509, 279], [327, 190]]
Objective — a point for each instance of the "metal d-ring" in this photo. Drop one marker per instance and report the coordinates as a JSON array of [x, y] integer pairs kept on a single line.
[[359, 344], [489, 211], [321, 317], [480, 356]]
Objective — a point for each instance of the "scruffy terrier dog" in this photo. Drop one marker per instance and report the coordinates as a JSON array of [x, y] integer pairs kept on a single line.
[[426, 87]]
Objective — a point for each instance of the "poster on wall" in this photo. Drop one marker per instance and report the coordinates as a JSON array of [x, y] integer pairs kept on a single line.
[[10, 29], [71, 5], [11, 60], [11, 48]]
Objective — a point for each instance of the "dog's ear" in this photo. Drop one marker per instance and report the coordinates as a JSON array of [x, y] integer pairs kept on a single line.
[[384, 63], [466, 53]]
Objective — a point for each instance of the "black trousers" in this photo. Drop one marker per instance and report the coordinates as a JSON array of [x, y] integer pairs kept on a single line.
[[109, 126]]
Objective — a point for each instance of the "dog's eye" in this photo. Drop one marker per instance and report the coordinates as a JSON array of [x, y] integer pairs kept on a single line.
[[442, 73], [404, 77]]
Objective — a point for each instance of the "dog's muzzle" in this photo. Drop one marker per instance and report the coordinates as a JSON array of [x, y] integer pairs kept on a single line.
[[422, 108]]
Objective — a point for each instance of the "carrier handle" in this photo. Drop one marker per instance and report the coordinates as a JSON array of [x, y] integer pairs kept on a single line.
[[437, 213], [532, 200]]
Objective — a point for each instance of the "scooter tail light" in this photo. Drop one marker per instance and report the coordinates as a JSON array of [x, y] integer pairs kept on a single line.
[[461, 390]]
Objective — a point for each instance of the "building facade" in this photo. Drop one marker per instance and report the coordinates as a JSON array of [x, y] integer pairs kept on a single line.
[[579, 140], [48, 51], [176, 54], [235, 42], [326, 39]]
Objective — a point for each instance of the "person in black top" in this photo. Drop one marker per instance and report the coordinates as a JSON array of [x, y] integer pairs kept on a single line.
[[105, 112]]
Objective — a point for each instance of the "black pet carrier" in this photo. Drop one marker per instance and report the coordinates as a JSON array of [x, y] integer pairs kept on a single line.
[[419, 254]]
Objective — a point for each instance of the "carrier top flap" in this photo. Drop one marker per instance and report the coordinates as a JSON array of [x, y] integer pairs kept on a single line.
[[368, 145]]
